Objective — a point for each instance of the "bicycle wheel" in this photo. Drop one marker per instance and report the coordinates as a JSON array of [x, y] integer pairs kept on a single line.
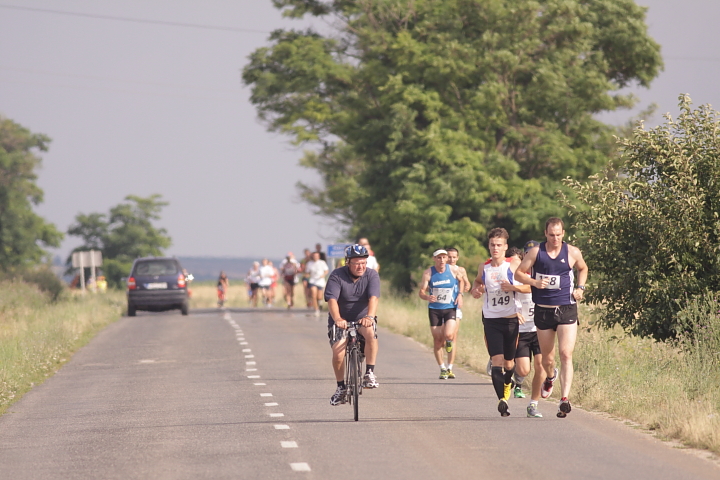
[[355, 380]]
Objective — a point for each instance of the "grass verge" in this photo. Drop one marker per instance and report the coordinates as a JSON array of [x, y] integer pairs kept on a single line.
[[672, 391], [38, 335]]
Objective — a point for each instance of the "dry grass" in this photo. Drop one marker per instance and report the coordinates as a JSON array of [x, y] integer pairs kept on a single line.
[[38, 336], [674, 393], [204, 295]]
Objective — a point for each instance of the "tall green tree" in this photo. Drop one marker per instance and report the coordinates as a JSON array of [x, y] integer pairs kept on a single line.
[[23, 234], [127, 232], [650, 227], [431, 122]]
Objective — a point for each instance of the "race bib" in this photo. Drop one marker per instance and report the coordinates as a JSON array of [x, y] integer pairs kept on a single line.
[[499, 298], [553, 281], [444, 295]]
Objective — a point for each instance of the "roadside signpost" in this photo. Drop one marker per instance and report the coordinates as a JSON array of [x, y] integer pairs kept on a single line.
[[91, 259], [336, 250]]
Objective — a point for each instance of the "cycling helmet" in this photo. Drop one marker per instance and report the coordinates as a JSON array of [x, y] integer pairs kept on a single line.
[[356, 251]]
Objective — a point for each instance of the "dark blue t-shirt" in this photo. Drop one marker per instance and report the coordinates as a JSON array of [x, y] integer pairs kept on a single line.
[[352, 297]]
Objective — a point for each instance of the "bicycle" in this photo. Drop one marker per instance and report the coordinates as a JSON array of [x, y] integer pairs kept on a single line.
[[354, 366]]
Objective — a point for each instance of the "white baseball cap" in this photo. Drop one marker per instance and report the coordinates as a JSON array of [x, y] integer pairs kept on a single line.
[[439, 252]]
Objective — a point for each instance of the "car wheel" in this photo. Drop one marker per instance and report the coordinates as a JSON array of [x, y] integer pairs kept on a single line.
[[131, 310], [185, 308]]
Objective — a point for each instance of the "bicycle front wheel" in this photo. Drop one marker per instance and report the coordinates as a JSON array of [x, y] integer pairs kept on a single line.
[[355, 380]]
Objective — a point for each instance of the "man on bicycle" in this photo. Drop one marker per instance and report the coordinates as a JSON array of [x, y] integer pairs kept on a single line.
[[352, 294]]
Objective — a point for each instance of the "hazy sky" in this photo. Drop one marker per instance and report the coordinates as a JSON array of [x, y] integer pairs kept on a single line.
[[139, 108]]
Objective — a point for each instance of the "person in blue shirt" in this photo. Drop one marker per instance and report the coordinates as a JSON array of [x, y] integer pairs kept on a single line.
[[439, 287]]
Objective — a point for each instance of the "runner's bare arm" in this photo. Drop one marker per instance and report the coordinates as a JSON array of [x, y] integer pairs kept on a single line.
[[582, 269], [424, 286], [478, 285]]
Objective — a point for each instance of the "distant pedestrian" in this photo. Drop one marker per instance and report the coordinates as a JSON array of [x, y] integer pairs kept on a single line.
[[289, 269], [317, 270], [318, 249], [266, 280], [372, 262], [223, 285], [253, 279]]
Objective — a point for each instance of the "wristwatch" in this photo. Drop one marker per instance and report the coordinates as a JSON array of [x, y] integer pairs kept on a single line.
[[581, 287]]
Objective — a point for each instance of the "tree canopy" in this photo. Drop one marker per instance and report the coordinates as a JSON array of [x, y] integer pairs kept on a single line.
[[23, 233], [650, 230], [124, 234], [432, 122]]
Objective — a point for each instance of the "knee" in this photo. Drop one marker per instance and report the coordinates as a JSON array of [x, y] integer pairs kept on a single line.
[[566, 356]]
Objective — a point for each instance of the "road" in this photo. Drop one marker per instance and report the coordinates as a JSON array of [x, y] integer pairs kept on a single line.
[[246, 395]]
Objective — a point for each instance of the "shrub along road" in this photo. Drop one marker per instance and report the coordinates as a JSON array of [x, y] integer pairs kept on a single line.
[[246, 395]]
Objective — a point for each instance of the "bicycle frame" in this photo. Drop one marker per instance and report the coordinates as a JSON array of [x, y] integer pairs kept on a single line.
[[354, 360]]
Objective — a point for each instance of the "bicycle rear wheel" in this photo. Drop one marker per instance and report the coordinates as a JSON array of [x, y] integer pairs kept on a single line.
[[355, 380]]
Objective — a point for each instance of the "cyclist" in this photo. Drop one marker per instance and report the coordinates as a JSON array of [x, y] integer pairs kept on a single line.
[[352, 294]]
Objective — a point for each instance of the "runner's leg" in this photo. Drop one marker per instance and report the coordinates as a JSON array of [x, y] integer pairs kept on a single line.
[[567, 334], [546, 339]]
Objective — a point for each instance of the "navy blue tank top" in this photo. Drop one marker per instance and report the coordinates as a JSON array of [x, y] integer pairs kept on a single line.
[[560, 276]]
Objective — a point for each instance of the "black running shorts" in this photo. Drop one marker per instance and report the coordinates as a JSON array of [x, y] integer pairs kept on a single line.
[[528, 345], [502, 336], [438, 316], [550, 318]]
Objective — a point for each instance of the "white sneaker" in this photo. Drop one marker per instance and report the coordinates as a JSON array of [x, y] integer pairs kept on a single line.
[[369, 381], [338, 397]]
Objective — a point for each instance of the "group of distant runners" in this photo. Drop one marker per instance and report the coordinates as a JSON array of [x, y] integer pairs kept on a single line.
[[311, 272], [529, 298]]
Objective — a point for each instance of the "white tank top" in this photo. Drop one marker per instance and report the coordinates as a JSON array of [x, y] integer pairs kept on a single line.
[[497, 303], [527, 308]]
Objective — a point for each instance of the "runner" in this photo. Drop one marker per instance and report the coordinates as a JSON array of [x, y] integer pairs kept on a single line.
[[266, 280], [306, 288], [223, 286], [500, 314], [253, 279], [289, 268], [463, 286], [528, 347], [555, 297], [444, 300], [372, 261], [352, 293], [318, 249], [316, 269]]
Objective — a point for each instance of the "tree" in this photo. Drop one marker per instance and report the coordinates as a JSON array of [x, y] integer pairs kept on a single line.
[[432, 122], [123, 235], [23, 233], [650, 231]]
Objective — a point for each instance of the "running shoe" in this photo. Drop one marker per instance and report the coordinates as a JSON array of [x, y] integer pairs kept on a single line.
[[338, 397], [369, 381], [532, 411], [547, 386], [506, 391], [503, 408], [564, 408], [450, 373], [448, 346], [488, 369], [517, 392], [443, 374]]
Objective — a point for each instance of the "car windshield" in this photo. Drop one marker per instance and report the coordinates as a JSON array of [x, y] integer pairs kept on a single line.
[[156, 267]]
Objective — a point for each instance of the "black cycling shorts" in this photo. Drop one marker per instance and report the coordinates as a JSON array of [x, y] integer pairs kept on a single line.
[[550, 318], [528, 345], [502, 336], [336, 334], [438, 316]]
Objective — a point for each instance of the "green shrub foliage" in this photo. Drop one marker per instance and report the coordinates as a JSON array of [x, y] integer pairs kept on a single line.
[[650, 231]]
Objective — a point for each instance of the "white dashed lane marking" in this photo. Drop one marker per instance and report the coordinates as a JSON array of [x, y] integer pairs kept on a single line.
[[298, 466]]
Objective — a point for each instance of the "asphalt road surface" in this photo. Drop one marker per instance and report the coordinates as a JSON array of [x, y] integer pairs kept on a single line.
[[246, 395]]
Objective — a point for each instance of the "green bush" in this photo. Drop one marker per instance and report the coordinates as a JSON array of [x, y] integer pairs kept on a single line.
[[41, 276]]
